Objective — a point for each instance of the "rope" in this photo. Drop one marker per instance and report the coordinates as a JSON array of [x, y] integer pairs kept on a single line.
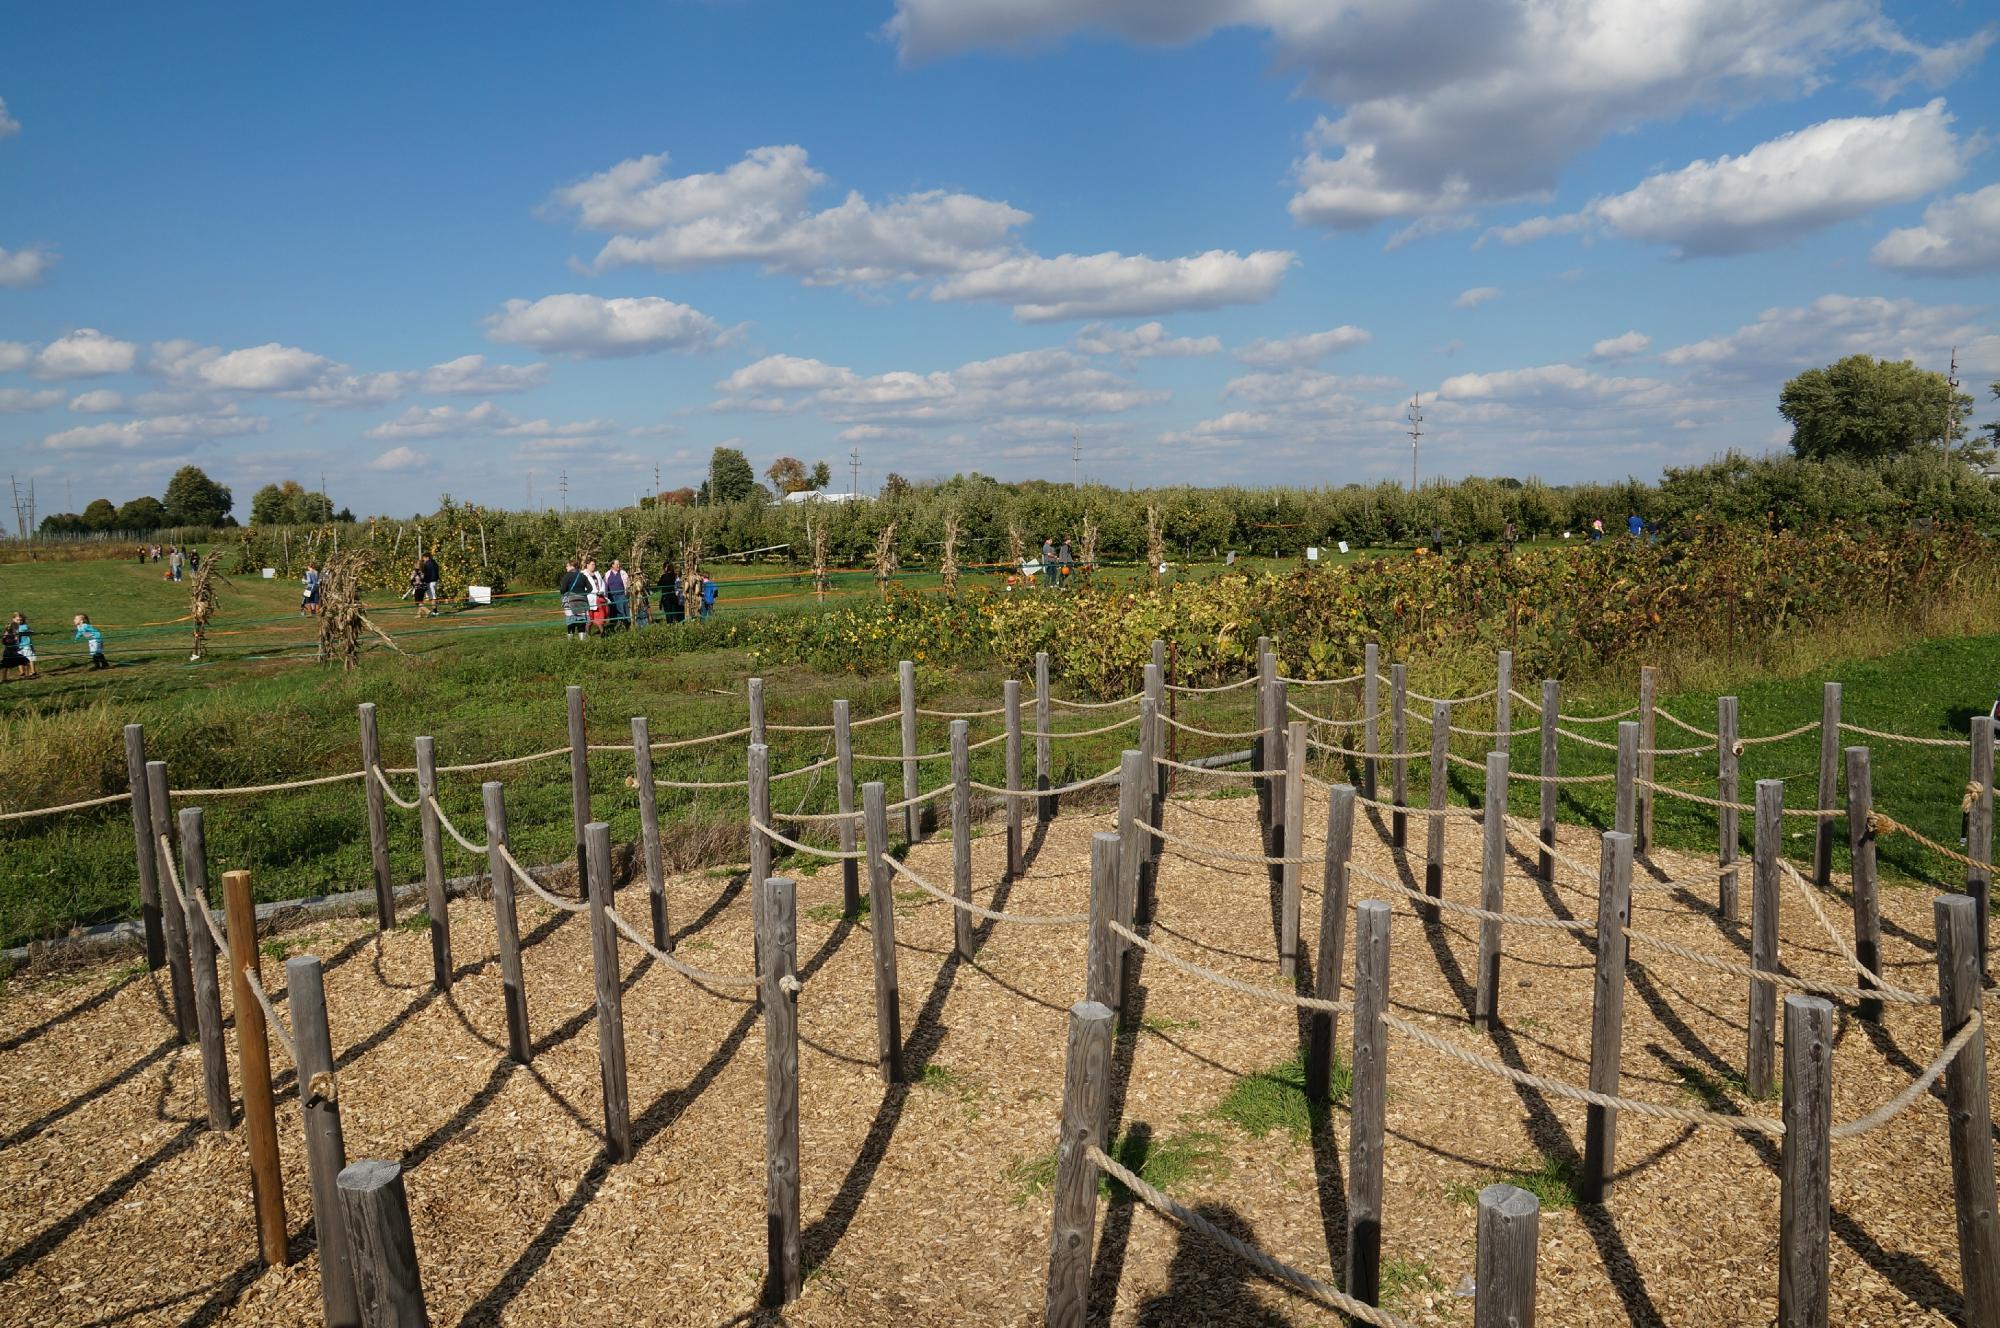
[[1525, 700], [1323, 720], [1592, 719], [1204, 850], [554, 901], [1095, 705], [1081, 733], [387, 788], [1219, 774], [504, 762], [66, 807], [262, 788], [794, 844], [1814, 813], [688, 971], [1468, 813], [1684, 725], [1211, 733], [805, 769], [1775, 737], [1906, 737], [631, 782], [1776, 978], [1675, 751], [1281, 1273], [1974, 791], [1027, 919], [271, 1019], [1210, 691], [867, 758], [1881, 823], [215, 933], [1919, 1086], [1840, 942], [452, 830], [1586, 740], [818, 818], [937, 792], [1454, 700], [1276, 995], [963, 714], [1467, 910], [1491, 733], [800, 728], [1321, 682], [1108, 777]]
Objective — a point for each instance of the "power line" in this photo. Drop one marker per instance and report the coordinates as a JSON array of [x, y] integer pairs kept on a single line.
[[854, 473], [563, 485], [1416, 432], [1075, 457]]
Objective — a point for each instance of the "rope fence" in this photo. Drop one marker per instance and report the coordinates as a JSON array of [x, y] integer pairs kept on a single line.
[[996, 915]]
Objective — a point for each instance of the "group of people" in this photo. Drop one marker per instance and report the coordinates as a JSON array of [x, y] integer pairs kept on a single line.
[[1055, 562], [17, 646], [175, 559], [601, 602], [424, 579], [1636, 527]]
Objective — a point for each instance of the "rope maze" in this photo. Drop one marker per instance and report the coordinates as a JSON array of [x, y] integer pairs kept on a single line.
[[362, 1213]]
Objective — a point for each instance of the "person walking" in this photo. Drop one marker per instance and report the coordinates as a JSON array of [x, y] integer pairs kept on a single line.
[[1634, 527], [672, 609], [24, 642], [194, 561], [174, 561], [1063, 564], [10, 650], [93, 638], [573, 591], [309, 601], [433, 578], [614, 591]]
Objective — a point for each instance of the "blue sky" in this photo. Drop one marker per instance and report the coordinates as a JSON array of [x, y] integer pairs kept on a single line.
[[421, 249]]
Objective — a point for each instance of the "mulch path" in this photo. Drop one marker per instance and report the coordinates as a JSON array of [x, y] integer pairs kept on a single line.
[[919, 1201]]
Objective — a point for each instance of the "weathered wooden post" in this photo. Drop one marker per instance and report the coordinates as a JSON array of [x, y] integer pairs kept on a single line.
[[1607, 1014], [375, 1212], [378, 820], [1323, 1025], [1625, 810], [1649, 695], [1293, 848], [755, 689], [1503, 703], [1086, 1093], [1271, 720], [649, 828], [1010, 702], [759, 795], [1370, 1069], [1727, 832], [843, 769], [1399, 746], [1371, 715], [1149, 806], [1805, 1163], [1760, 1062], [1968, 1111], [253, 1054], [159, 803], [145, 846], [579, 785], [913, 815], [1829, 783], [1045, 806], [780, 984], [1492, 891], [506, 924], [1867, 903], [1131, 794], [1551, 756], [201, 949], [605, 975], [961, 837], [882, 928], [1440, 771], [1979, 829], [326, 1146], [1509, 1233], [1153, 735], [1101, 963], [434, 895]]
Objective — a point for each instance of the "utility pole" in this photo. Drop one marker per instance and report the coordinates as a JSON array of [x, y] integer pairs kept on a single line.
[[1951, 403], [562, 484], [20, 516], [656, 481], [1075, 457], [1416, 432], [854, 473]]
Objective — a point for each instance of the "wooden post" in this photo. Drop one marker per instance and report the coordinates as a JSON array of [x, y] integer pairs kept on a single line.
[[1829, 783], [1649, 691], [1625, 809], [1979, 830], [1968, 1111], [961, 836], [756, 690], [378, 820], [207, 991], [606, 976], [913, 815], [1867, 904], [1086, 1094], [1510, 1222], [1293, 847], [1805, 1163], [1163, 744], [780, 984], [1101, 975], [326, 1146], [375, 1212], [1131, 792], [1152, 741], [1440, 771], [159, 803], [1010, 702], [1761, 1060], [1399, 746], [1149, 806], [435, 901], [1370, 1068], [843, 768], [759, 795], [1503, 703], [1727, 832], [253, 1053], [1492, 891], [649, 828], [1046, 805], [1607, 1014], [506, 927], [579, 785], [1270, 718], [1551, 758], [882, 927], [145, 847], [1323, 1024], [1371, 714]]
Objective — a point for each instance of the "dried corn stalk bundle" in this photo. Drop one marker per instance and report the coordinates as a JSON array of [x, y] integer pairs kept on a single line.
[[816, 536], [342, 615], [202, 601], [1016, 550], [885, 557], [1156, 544], [1087, 550], [948, 564], [643, 548]]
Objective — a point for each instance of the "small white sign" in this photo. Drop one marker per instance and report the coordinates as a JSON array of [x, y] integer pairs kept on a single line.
[[479, 594], [1343, 546], [270, 572], [1312, 555], [1230, 561]]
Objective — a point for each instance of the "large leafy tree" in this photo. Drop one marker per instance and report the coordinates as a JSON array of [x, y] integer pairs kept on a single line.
[[289, 504], [193, 499], [788, 475], [730, 479], [99, 514], [1864, 409], [141, 514]]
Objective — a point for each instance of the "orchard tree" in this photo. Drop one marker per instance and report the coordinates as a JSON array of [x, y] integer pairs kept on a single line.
[[730, 479], [193, 499], [1865, 409]]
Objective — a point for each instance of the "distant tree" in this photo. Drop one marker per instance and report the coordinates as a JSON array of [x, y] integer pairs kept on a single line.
[[677, 498], [822, 475], [730, 479], [61, 523], [142, 514], [99, 514], [895, 486], [289, 504], [193, 499], [788, 475], [1864, 409]]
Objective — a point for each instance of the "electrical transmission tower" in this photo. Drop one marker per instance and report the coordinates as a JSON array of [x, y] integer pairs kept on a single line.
[[1416, 432], [854, 473], [1075, 457], [562, 484]]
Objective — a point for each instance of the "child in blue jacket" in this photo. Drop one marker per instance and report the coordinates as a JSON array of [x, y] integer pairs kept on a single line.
[[85, 632]]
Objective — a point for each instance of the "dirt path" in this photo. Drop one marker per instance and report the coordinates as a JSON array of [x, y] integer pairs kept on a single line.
[[921, 1202]]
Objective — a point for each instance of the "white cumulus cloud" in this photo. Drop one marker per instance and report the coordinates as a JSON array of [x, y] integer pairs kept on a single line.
[[1307, 348], [1478, 295], [9, 126], [399, 458], [1622, 347], [100, 402], [1112, 285], [85, 353], [1145, 342], [471, 375], [1960, 234], [14, 400], [1784, 339], [25, 267], [134, 434], [592, 327]]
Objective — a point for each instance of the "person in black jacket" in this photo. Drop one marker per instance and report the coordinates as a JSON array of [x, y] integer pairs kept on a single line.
[[574, 590], [432, 576], [672, 608]]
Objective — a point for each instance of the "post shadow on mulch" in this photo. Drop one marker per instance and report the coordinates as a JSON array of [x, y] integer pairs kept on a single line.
[[1206, 1285], [1108, 1266], [96, 999]]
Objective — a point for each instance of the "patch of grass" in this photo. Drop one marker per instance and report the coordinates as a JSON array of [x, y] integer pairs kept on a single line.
[[1275, 1099], [1163, 1163], [1552, 1180], [942, 1076], [1405, 1279], [697, 944], [1155, 1024], [1717, 1089], [417, 921], [831, 913], [279, 948]]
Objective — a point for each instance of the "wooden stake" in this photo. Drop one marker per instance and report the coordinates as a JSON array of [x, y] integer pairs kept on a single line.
[[1551, 757], [1649, 692], [145, 847], [1625, 812], [1131, 792], [173, 917], [207, 991], [961, 836], [1979, 830], [1293, 847], [435, 901], [1399, 745], [1269, 720], [1829, 783], [1370, 1090], [1323, 1025], [1101, 975], [649, 829], [1509, 1232], [579, 785], [1086, 1091], [1046, 805], [759, 797], [1492, 891], [1607, 1014], [1861, 849], [326, 1146], [375, 1211], [1010, 701], [843, 768], [1969, 1111], [253, 1053], [1805, 1162], [756, 690], [1728, 834], [1371, 714], [781, 1093], [1503, 702], [506, 926], [882, 927], [913, 815], [1440, 770], [1760, 1062], [378, 820], [605, 975]]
